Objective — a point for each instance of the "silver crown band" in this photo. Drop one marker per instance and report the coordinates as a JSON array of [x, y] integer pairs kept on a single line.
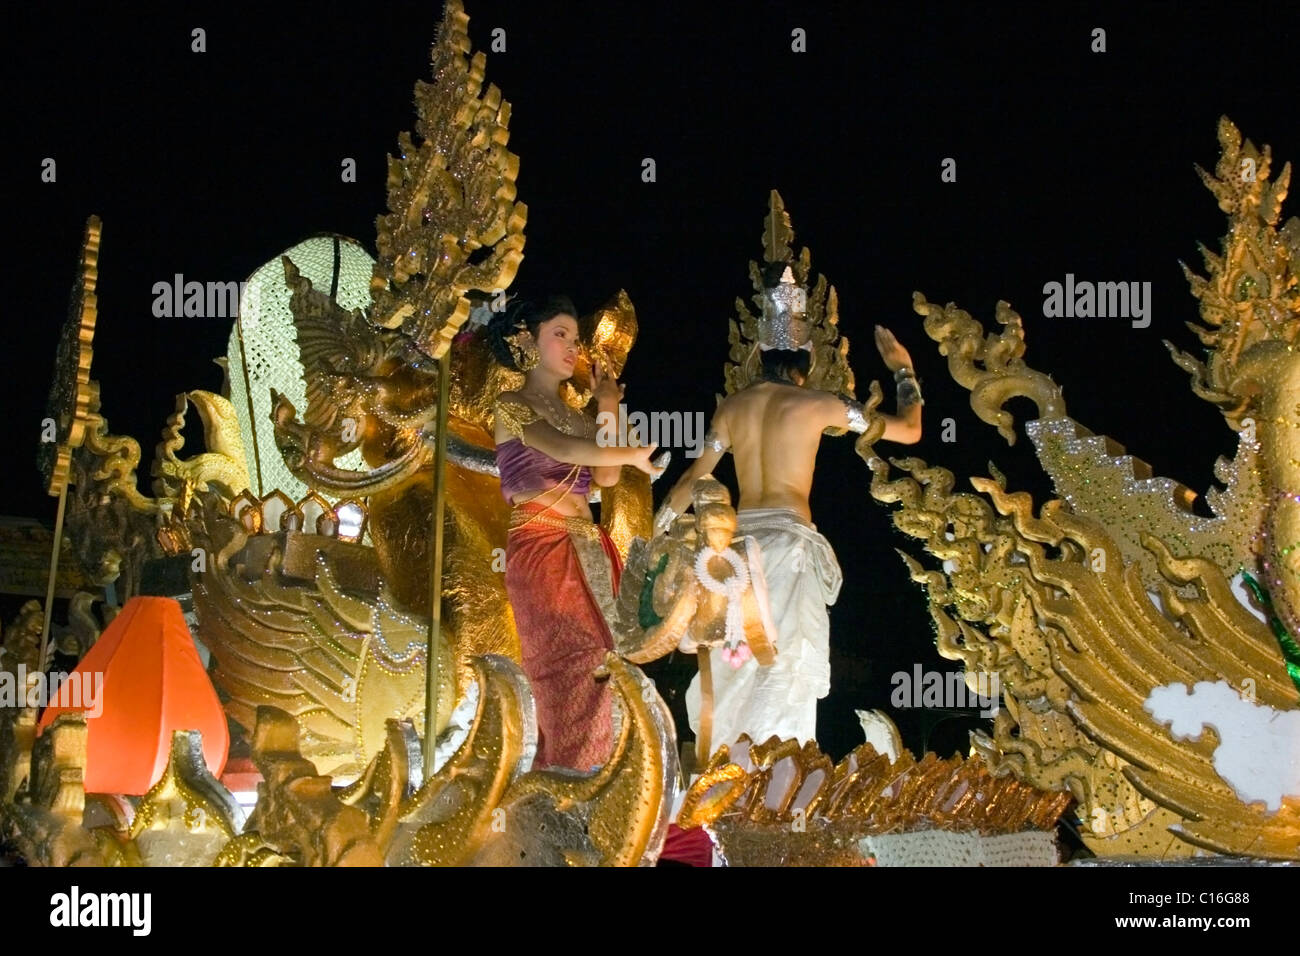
[[784, 323]]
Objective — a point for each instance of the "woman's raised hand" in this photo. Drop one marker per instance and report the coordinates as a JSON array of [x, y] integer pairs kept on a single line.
[[640, 457], [605, 388]]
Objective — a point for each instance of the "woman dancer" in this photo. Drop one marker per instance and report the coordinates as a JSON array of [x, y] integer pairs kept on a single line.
[[561, 568]]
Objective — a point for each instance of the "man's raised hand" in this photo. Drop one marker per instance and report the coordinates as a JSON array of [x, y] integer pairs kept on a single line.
[[891, 350]]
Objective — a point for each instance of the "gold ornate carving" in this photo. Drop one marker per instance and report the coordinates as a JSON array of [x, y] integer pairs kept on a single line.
[[223, 465], [1086, 607], [448, 198], [71, 391], [187, 816], [483, 806], [298, 817], [285, 633], [617, 816], [780, 803]]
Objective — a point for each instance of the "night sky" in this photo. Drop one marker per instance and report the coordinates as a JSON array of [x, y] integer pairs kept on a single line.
[[1068, 161]]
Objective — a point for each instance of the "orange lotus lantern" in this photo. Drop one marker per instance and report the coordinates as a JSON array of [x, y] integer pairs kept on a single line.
[[140, 681]]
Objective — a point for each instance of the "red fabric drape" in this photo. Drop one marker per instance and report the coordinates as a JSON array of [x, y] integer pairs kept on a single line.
[[564, 639], [689, 847]]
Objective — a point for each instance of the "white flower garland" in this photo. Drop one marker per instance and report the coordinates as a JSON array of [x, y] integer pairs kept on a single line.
[[734, 589]]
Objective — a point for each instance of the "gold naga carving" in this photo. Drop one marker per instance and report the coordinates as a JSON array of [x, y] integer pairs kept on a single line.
[[1118, 588]]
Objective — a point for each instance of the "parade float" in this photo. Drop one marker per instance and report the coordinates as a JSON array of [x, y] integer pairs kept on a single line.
[[307, 655]]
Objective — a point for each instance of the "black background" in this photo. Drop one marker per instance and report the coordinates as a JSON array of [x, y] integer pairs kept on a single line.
[[1067, 161]]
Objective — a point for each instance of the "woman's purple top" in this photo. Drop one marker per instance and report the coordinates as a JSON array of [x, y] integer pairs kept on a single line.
[[527, 469]]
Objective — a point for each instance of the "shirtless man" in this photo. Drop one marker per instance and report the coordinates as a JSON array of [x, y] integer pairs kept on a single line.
[[773, 428]]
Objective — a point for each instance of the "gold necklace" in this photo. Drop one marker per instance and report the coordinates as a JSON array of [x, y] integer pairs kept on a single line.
[[561, 416]]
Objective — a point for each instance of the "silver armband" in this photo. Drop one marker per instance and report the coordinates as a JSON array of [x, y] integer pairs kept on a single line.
[[908, 388], [714, 442], [664, 518], [853, 411]]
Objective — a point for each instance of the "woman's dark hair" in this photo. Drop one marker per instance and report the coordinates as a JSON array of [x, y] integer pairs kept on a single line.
[[519, 315], [780, 365]]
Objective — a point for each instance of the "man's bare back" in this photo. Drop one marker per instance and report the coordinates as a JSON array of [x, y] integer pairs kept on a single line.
[[773, 430]]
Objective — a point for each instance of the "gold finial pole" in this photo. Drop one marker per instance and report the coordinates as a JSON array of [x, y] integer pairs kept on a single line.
[[74, 400], [54, 573], [435, 563]]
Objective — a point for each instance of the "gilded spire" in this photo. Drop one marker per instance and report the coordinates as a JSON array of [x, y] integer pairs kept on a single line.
[[449, 199]]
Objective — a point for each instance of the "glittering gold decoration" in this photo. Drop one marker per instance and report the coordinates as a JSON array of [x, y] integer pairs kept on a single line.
[[45, 823], [301, 622], [992, 366], [829, 368], [72, 391], [1086, 607], [616, 816], [483, 806], [1041, 624], [1252, 294], [447, 820], [448, 198], [224, 462], [780, 803], [187, 816], [299, 818]]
